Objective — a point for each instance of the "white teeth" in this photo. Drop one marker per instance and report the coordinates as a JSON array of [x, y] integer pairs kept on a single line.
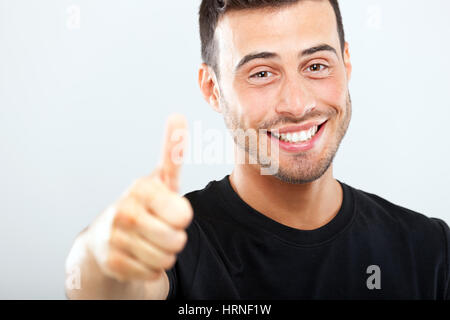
[[295, 137], [289, 137], [303, 136]]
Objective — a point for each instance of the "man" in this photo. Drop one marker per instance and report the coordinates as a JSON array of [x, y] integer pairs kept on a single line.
[[279, 68]]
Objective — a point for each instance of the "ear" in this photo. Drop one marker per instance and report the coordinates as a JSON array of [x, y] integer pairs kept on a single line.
[[347, 62], [208, 86]]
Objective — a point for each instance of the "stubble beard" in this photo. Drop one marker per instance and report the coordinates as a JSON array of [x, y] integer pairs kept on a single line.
[[297, 169]]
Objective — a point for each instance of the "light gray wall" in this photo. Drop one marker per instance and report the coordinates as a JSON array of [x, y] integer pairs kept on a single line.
[[82, 111]]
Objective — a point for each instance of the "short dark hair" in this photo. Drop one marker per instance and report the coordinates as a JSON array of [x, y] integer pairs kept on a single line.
[[212, 10]]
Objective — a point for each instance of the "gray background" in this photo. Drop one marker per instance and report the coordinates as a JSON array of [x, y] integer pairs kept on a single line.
[[82, 111]]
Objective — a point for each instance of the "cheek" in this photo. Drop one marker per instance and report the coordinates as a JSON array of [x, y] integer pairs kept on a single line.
[[254, 104], [330, 92]]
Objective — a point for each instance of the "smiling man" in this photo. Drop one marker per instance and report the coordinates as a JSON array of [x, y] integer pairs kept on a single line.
[[282, 69]]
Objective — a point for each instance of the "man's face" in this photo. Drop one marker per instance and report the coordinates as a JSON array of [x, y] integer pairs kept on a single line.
[[283, 86]]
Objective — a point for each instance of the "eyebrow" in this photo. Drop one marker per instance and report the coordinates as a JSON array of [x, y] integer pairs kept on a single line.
[[271, 55]]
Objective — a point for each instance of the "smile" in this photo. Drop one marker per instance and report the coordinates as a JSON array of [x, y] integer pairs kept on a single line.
[[299, 138]]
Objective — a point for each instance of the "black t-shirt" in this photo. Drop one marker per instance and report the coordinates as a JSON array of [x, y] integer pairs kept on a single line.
[[372, 249]]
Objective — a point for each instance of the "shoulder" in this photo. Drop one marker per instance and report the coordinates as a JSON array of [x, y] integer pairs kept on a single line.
[[206, 203], [210, 203], [200, 196], [428, 237], [412, 224], [374, 204]]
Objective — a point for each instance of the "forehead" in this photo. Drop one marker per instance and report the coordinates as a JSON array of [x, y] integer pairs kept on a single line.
[[284, 30]]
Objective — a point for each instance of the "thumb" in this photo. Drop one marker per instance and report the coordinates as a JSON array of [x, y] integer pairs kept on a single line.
[[174, 146]]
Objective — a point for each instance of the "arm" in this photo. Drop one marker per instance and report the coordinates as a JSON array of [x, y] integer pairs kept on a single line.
[[125, 252]]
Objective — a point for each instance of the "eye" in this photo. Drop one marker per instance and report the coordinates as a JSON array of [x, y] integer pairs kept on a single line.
[[262, 74], [317, 67]]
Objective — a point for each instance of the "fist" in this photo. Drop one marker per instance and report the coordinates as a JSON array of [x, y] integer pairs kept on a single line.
[[140, 235]]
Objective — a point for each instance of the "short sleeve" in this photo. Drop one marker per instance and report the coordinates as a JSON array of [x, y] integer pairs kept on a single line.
[[446, 233]]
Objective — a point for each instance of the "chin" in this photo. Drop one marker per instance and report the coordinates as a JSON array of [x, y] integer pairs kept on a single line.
[[301, 170]]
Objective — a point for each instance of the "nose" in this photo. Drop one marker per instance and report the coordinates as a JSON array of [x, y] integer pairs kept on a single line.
[[296, 100]]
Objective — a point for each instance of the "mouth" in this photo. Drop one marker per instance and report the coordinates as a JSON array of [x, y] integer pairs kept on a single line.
[[297, 139]]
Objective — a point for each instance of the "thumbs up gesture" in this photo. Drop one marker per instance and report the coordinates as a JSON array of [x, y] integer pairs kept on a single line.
[[139, 236]]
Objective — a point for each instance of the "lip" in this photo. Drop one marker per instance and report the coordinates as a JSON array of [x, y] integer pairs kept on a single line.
[[301, 146], [298, 128]]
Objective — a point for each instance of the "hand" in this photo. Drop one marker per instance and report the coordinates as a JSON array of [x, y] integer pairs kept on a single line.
[[139, 236]]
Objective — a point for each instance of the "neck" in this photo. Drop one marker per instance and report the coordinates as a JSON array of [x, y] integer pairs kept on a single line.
[[304, 206]]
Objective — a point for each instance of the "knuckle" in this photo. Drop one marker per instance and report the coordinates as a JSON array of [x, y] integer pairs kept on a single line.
[[168, 261], [114, 262], [126, 219], [112, 240], [180, 239], [126, 214], [186, 212], [116, 240]]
